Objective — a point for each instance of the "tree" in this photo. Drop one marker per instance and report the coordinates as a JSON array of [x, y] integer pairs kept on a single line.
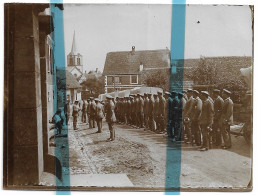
[[95, 86], [156, 78]]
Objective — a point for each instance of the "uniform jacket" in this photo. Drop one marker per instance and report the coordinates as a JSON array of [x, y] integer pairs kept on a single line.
[[206, 117], [84, 107], [99, 114], [109, 110], [218, 106], [173, 105], [146, 101], [161, 107], [188, 107], [196, 109], [155, 106], [92, 109], [75, 110], [88, 108], [141, 105], [227, 111], [150, 106]]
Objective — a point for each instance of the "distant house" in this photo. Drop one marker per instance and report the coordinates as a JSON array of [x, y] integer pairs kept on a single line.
[[123, 69], [68, 84]]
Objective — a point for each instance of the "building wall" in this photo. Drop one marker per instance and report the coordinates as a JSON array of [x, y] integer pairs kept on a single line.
[[126, 82], [22, 66]]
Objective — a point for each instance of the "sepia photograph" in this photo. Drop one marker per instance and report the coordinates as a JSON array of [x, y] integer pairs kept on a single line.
[[128, 97]]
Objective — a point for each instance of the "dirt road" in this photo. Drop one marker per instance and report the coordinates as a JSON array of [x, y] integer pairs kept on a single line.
[[141, 155]]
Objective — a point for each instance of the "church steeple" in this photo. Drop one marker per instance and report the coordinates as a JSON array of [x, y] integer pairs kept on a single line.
[[73, 47], [75, 59]]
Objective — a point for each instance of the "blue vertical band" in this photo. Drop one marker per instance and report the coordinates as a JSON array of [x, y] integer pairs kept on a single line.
[[62, 148], [173, 159]]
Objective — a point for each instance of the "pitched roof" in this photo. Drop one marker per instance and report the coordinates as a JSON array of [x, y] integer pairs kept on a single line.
[[128, 62], [68, 80]]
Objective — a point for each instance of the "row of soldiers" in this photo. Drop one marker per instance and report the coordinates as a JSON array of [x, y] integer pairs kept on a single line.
[[190, 116]]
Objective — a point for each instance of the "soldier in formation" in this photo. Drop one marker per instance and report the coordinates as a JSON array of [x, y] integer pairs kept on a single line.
[[190, 116]]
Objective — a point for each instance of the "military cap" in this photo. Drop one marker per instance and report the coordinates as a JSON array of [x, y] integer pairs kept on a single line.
[[205, 93], [180, 94], [190, 90], [167, 93], [76, 101], [173, 92], [59, 110], [159, 92], [97, 100], [91, 98], [155, 94], [226, 91], [216, 91], [184, 91], [196, 92], [109, 97], [88, 99]]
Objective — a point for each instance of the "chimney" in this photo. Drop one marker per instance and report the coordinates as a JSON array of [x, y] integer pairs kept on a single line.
[[96, 70], [133, 50]]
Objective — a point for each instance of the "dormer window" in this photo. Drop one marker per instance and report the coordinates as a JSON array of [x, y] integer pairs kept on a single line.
[[141, 67]]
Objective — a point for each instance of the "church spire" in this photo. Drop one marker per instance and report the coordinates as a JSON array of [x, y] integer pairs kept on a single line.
[[73, 47]]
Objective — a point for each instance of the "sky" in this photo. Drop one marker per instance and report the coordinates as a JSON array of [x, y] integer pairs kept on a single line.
[[222, 31]]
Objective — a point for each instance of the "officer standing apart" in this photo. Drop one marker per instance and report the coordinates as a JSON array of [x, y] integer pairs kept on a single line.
[[227, 119], [110, 117], [99, 115], [75, 113]]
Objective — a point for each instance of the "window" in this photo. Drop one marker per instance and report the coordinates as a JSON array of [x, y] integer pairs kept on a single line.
[[78, 61], [133, 79], [117, 80], [71, 60]]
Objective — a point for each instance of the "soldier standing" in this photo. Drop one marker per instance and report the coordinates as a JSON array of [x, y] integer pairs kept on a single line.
[[150, 112], [218, 105], [110, 117], [206, 119], [99, 115], [141, 111], [67, 111], [196, 112], [129, 110], [227, 119], [181, 104], [75, 111], [88, 113], [146, 100], [187, 116], [161, 112], [167, 112], [173, 115], [155, 112], [92, 112], [84, 111]]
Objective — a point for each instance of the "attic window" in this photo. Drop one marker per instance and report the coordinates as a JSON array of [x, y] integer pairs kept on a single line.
[[141, 67]]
